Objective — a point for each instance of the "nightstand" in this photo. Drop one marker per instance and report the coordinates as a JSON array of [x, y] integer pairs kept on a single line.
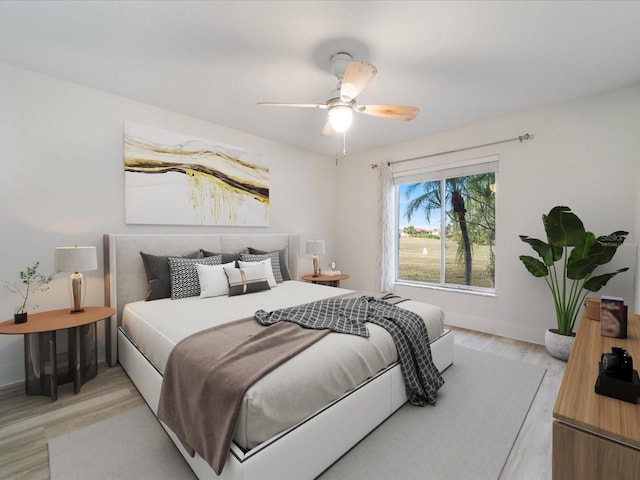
[[42, 373], [331, 280]]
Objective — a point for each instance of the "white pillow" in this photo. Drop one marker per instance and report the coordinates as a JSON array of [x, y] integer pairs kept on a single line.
[[213, 280], [268, 270]]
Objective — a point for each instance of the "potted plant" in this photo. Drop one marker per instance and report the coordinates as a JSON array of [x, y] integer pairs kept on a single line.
[[35, 282], [567, 262]]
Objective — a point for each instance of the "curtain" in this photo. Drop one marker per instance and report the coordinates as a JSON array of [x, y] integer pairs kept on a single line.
[[386, 227]]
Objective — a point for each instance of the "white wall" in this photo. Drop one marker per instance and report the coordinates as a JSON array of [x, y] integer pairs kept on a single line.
[[62, 183], [584, 154], [59, 137]]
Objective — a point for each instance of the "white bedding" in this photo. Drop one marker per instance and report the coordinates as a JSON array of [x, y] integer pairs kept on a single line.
[[296, 389]]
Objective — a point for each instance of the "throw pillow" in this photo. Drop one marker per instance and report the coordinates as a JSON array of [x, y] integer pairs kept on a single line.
[[275, 262], [283, 258], [213, 280], [158, 274], [226, 257], [268, 270], [246, 280], [184, 275]]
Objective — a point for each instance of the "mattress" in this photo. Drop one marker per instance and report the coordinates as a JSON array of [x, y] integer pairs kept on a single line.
[[291, 393]]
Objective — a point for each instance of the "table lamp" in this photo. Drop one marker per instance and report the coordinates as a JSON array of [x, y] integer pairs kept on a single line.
[[315, 247], [76, 259]]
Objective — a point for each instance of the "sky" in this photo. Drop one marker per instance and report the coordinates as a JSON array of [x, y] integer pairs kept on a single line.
[[418, 219]]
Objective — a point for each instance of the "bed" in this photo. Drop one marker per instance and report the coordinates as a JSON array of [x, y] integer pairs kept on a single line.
[[296, 442]]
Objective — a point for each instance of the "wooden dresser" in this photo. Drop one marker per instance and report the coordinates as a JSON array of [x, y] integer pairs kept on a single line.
[[594, 436]]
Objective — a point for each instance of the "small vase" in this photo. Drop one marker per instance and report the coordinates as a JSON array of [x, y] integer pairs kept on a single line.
[[20, 317], [558, 346]]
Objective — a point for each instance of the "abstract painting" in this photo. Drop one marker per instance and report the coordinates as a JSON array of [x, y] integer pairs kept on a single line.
[[175, 179]]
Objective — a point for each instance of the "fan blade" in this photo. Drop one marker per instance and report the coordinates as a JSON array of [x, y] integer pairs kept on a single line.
[[303, 105], [327, 129], [397, 112], [356, 78]]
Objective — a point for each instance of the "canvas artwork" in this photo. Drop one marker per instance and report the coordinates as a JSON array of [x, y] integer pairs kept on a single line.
[[175, 179]]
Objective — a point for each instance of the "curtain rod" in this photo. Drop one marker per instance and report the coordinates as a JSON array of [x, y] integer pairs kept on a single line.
[[520, 138]]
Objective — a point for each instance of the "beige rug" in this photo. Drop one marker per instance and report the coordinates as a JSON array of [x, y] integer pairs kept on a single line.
[[467, 435], [129, 446]]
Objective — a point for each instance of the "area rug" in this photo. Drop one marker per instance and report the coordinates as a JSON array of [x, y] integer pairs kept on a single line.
[[467, 435], [129, 446]]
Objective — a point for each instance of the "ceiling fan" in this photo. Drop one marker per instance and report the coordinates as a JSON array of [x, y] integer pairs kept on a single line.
[[353, 77]]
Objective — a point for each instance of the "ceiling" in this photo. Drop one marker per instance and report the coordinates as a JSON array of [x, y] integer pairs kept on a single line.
[[460, 62]]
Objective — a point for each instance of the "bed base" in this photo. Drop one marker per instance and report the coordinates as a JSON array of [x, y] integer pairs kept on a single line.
[[307, 449]]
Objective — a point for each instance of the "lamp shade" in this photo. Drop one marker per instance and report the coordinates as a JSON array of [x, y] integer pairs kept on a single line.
[[314, 247], [75, 259]]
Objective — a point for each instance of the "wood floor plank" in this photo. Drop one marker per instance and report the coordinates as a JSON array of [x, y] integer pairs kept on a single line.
[[27, 423]]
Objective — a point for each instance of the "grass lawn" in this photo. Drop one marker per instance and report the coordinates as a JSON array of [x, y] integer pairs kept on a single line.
[[419, 260]]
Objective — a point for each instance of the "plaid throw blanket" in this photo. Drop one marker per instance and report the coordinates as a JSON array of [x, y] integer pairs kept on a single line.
[[348, 315], [342, 315]]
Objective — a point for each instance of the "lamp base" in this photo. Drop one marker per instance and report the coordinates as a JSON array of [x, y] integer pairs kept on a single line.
[[78, 289], [316, 266]]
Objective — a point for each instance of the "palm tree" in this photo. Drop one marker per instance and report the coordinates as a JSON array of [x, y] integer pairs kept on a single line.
[[455, 186], [472, 211]]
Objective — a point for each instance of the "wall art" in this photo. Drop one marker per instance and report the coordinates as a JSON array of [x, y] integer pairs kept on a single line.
[[175, 179]]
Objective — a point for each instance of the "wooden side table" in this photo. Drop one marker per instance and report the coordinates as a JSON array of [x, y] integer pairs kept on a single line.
[[42, 375], [331, 280]]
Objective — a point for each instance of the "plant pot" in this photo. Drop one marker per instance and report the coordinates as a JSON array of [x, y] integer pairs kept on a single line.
[[558, 346], [20, 317]]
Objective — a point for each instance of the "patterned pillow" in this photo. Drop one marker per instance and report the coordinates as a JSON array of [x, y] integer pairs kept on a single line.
[[283, 254], [275, 262], [246, 280], [184, 275], [158, 275]]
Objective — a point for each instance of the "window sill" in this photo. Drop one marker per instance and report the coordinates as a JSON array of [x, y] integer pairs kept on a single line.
[[452, 289]]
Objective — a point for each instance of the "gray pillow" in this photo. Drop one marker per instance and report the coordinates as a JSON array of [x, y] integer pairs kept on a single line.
[[158, 275], [184, 275], [283, 257], [226, 257]]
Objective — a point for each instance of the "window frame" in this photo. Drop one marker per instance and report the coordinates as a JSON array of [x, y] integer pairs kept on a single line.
[[441, 173]]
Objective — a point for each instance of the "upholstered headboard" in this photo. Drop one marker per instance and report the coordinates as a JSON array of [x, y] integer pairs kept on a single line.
[[125, 278]]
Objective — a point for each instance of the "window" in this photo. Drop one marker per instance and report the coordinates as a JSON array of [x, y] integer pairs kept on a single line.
[[449, 243]]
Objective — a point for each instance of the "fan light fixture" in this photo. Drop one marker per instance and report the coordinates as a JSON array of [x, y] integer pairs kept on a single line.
[[353, 77], [340, 118]]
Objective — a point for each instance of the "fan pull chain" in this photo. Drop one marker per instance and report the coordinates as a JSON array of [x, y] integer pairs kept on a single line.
[[344, 147]]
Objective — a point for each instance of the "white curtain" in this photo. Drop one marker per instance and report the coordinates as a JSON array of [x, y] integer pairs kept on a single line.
[[386, 227]]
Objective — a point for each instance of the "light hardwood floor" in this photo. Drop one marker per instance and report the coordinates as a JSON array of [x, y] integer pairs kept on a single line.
[[28, 423]]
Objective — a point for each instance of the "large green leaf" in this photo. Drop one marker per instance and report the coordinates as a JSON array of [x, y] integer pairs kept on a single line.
[[582, 250], [564, 228], [583, 267], [596, 283], [543, 249], [535, 266]]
